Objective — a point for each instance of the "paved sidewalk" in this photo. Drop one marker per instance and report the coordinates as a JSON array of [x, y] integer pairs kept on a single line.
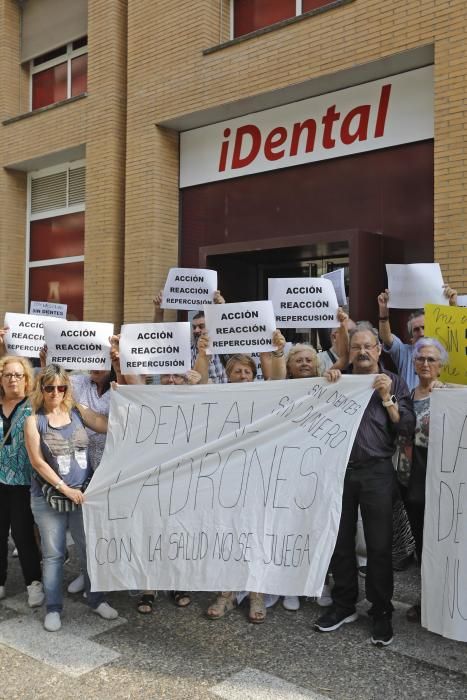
[[181, 655]]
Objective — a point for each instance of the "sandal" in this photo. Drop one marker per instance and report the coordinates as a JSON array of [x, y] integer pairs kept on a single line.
[[181, 598], [145, 603], [257, 613], [224, 603]]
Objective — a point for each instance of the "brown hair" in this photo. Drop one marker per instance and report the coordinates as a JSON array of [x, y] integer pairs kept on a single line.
[[27, 368], [245, 360]]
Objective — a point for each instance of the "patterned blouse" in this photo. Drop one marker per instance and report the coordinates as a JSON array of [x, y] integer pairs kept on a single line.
[[15, 467]]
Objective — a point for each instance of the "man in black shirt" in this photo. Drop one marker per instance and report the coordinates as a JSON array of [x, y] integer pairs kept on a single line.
[[369, 483]]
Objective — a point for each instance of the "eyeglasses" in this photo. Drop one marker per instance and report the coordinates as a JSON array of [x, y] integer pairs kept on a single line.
[[50, 388], [13, 375], [430, 360], [366, 347], [418, 328]]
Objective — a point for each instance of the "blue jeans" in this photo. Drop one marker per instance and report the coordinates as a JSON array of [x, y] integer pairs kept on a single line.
[[52, 527]]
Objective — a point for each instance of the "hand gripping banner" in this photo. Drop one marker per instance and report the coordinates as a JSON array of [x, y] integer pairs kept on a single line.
[[222, 487]]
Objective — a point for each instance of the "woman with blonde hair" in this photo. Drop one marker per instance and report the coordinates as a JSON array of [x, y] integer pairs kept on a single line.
[[57, 445], [16, 381]]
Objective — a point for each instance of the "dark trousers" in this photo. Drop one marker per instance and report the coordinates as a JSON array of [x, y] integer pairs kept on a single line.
[[416, 513], [15, 512], [370, 486]]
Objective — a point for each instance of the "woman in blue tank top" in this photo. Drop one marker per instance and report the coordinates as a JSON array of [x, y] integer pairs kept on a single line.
[[57, 445]]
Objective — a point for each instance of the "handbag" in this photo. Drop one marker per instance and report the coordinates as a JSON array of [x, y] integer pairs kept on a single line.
[[57, 500]]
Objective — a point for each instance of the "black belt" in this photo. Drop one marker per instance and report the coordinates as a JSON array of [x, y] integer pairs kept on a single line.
[[360, 463]]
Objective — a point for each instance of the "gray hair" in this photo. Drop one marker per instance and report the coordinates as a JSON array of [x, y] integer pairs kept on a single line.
[[431, 342], [414, 314], [363, 327]]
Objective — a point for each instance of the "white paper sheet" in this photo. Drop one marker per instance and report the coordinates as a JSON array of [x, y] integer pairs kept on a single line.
[[155, 348], [189, 288], [413, 286], [240, 327], [304, 302]]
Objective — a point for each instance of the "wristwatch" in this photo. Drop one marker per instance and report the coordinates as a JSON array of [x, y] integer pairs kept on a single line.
[[392, 401]]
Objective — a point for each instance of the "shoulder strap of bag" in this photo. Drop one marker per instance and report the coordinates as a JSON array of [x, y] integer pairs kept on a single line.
[[13, 423]]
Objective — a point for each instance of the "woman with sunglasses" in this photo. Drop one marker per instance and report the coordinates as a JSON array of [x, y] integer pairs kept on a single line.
[[16, 381], [57, 445]]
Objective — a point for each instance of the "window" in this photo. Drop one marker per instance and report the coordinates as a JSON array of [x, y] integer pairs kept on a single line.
[[59, 74], [250, 15], [56, 224]]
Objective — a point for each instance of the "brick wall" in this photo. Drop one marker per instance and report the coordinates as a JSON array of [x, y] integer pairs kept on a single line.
[[184, 80]]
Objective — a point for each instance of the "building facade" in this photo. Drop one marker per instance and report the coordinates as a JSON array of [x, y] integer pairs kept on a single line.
[[261, 138]]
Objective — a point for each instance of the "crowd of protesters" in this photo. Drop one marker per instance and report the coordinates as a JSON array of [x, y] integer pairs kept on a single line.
[[52, 436]]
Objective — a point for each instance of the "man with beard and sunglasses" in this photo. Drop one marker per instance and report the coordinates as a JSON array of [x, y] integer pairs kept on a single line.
[[369, 483]]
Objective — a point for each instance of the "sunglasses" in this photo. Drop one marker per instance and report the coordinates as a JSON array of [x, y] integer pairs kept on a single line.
[[50, 388]]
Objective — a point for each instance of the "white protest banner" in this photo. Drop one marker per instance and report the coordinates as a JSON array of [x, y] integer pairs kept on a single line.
[[240, 327], [78, 344], [188, 288], [412, 286], [48, 308], [303, 302], [25, 336], [462, 300], [155, 348], [444, 560], [337, 279], [222, 487]]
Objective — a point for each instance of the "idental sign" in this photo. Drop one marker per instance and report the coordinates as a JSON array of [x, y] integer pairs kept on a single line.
[[375, 115]]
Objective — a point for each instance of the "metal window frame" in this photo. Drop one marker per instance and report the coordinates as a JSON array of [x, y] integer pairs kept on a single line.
[[66, 57], [47, 215]]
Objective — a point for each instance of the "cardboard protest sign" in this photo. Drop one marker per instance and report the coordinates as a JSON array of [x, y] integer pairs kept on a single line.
[[413, 286], [240, 327], [155, 348], [222, 487], [25, 336], [448, 324], [337, 279], [444, 560], [304, 302], [188, 288], [48, 308], [78, 344]]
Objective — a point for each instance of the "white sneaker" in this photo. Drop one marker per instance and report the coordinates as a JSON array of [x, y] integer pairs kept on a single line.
[[325, 599], [36, 594], [291, 602], [2, 592], [77, 585], [106, 611], [52, 622]]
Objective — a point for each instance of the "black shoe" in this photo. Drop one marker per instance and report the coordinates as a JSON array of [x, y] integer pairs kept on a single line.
[[382, 630], [333, 619]]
